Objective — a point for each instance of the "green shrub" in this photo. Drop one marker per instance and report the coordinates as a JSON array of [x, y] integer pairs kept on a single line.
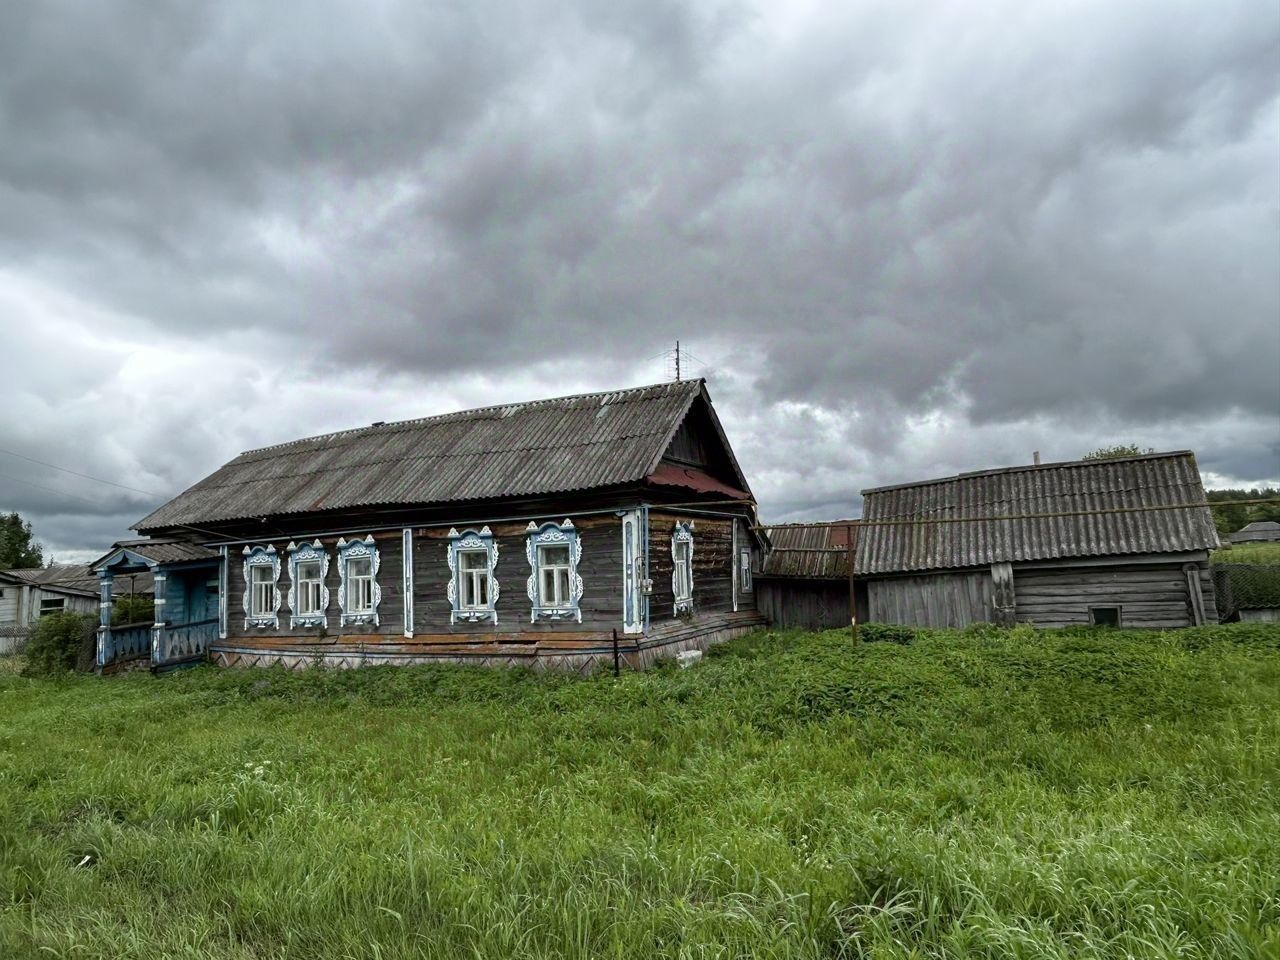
[[132, 609], [886, 633], [56, 643]]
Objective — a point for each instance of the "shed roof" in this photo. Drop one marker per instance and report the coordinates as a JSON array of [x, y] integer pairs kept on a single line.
[[156, 552], [1101, 507], [521, 449], [807, 551], [72, 578]]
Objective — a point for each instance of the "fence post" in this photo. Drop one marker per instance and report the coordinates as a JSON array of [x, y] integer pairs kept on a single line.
[[615, 653]]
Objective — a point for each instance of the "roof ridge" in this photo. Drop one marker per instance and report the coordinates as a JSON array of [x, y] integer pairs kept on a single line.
[[1021, 468], [413, 421]]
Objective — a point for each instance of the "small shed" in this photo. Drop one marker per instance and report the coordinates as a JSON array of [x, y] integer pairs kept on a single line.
[[804, 576], [1121, 542], [1260, 531]]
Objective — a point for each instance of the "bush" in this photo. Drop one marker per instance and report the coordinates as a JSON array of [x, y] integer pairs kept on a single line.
[[132, 609], [886, 633], [57, 641]]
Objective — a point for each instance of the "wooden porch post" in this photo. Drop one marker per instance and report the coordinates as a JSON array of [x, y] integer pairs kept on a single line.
[[851, 553], [157, 629], [104, 616]]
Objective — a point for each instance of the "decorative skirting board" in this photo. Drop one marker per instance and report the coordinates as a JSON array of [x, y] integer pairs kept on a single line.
[[635, 653]]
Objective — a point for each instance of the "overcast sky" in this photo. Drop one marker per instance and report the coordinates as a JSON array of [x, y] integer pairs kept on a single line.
[[902, 239]]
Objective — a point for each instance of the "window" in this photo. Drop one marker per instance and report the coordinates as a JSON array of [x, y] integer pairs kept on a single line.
[[1104, 616], [554, 551], [359, 595], [261, 588], [553, 570], [744, 571], [682, 567], [262, 603], [360, 585], [473, 587], [308, 595], [51, 605]]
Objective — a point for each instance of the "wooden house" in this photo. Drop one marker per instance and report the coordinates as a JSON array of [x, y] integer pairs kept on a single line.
[[1119, 542], [803, 581], [1260, 531], [527, 533]]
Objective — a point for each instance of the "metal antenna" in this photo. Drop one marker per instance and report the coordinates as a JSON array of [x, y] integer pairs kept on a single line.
[[677, 361]]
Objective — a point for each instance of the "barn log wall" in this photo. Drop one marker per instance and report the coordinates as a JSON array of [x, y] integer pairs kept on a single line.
[[1149, 595]]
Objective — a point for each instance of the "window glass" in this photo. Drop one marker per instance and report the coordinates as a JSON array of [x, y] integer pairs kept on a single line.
[[684, 575], [308, 587], [744, 569], [359, 585], [473, 571], [553, 562], [262, 591], [51, 605]]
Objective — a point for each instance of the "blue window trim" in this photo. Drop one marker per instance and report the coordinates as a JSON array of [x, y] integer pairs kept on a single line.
[[259, 556], [470, 540], [349, 550], [553, 534], [682, 533], [302, 553]]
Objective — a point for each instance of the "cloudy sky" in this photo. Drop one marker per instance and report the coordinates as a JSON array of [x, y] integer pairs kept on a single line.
[[900, 239]]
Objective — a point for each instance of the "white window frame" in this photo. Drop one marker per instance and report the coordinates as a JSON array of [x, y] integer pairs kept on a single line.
[[682, 568], [351, 614], [300, 556], [551, 535], [470, 543], [266, 558], [744, 570]]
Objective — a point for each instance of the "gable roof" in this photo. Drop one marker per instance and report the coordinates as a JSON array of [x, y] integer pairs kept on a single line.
[[1112, 502], [1259, 530], [521, 449], [70, 578]]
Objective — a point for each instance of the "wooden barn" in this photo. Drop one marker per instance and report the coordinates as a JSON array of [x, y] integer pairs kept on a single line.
[[527, 533], [1120, 542], [28, 594]]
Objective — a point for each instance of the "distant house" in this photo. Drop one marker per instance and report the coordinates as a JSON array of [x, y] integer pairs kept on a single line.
[[28, 594], [526, 533], [1260, 531], [1113, 542]]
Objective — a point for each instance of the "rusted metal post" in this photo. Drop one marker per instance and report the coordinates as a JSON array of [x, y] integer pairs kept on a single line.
[[615, 653]]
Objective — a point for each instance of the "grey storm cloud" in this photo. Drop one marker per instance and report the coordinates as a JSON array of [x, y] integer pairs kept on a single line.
[[911, 239]]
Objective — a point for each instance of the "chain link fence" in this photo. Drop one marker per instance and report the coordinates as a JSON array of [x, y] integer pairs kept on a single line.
[[1247, 591]]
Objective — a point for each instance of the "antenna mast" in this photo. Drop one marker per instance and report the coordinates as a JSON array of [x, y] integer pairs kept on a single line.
[[677, 361]]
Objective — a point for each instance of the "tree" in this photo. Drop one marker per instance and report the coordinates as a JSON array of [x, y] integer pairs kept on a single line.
[[1117, 451], [1229, 519], [18, 549]]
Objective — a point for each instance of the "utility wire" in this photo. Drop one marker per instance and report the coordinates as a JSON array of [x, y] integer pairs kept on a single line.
[[77, 473], [60, 493]]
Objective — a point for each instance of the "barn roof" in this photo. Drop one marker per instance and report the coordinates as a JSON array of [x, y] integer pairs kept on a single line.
[[72, 578], [807, 551], [520, 449], [1113, 508], [1259, 530]]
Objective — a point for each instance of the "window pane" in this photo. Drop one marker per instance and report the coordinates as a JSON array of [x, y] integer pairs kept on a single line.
[[475, 560], [548, 587], [359, 567], [309, 570], [555, 555]]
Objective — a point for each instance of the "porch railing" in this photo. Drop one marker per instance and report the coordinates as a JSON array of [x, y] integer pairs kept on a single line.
[[185, 641], [129, 641]]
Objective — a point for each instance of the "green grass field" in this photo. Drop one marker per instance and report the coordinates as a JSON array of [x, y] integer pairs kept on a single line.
[[1263, 553], [1087, 794]]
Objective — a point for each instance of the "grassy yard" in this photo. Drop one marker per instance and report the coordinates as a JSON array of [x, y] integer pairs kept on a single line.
[[1264, 553], [1102, 794]]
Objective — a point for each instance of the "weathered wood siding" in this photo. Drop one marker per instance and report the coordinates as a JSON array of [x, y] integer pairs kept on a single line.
[[803, 604], [1154, 595], [932, 600], [390, 579], [600, 569], [713, 566]]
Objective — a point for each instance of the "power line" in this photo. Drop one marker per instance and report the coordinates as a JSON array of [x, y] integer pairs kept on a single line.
[[77, 473], [60, 493]]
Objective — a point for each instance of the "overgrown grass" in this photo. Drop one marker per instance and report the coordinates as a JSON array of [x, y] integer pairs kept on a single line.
[[981, 794]]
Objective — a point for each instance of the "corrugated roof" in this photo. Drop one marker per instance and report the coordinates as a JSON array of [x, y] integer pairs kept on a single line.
[[807, 551], [521, 449], [162, 551], [77, 578], [1127, 488], [1259, 530]]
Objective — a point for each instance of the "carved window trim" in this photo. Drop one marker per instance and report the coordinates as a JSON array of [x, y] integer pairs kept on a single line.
[[472, 541], [304, 553], [682, 533], [260, 556], [553, 535], [349, 550]]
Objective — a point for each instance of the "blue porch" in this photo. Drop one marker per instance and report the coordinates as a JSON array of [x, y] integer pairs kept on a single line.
[[188, 587]]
